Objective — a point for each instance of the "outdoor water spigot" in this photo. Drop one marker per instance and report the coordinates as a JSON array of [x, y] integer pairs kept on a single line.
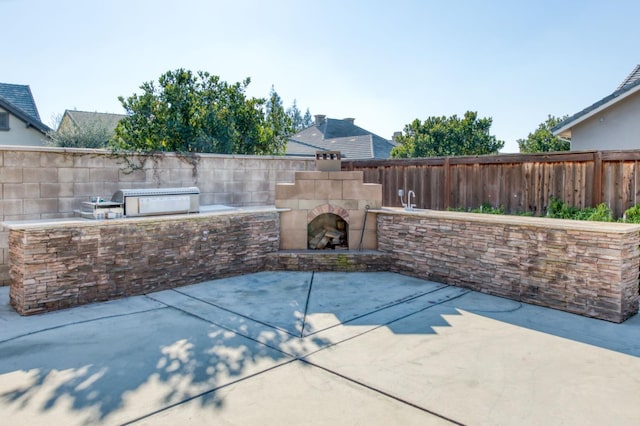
[[409, 205]]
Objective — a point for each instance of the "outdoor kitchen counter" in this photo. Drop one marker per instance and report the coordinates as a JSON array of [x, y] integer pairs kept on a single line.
[[205, 211], [55, 264], [588, 268], [578, 225]]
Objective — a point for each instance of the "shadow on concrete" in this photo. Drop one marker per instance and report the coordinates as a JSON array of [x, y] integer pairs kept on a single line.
[[205, 337], [200, 338], [135, 364], [623, 338]]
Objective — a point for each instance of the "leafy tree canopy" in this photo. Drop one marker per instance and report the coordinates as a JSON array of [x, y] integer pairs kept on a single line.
[[299, 121], [447, 136], [198, 112], [306, 119], [542, 140], [278, 123]]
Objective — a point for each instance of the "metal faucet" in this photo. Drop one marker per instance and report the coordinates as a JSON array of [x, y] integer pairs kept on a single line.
[[409, 205]]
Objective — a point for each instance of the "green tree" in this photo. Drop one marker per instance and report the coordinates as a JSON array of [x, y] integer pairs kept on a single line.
[[279, 124], [447, 136], [542, 140], [306, 119], [194, 113], [299, 121], [296, 116]]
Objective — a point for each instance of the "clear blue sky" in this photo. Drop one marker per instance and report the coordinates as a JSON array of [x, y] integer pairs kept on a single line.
[[383, 62]]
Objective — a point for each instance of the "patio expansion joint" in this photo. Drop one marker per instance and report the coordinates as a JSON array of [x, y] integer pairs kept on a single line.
[[303, 358], [303, 337], [207, 392], [306, 306], [382, 392], [231, 311], [184, 311], [42, 330], [380, 308], [463, 293]]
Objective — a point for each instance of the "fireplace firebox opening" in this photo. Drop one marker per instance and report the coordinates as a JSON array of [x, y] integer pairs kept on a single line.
[[328, 231]]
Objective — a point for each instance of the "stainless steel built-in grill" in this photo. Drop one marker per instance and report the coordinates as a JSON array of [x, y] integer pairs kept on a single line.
[[158, 201]]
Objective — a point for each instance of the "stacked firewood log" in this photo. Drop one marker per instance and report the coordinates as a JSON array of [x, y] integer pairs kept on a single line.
[[328, 238]]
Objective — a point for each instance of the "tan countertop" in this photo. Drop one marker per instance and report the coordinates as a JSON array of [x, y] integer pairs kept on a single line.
[[580, 225], [205, 211]]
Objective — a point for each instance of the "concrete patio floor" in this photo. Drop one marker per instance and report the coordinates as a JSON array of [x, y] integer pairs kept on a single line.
[[280, 348]]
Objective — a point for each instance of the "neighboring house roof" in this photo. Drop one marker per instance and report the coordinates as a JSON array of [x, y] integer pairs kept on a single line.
[[84, 118], [20, 96], [329, 134], [628, 87], [18, 100], [631, 78]]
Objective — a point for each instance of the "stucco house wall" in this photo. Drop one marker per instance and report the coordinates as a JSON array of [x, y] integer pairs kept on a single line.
[[20, 133], [617, 127], [612, 123]]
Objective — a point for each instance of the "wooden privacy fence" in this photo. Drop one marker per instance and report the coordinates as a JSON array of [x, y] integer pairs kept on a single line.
[[518, 182]]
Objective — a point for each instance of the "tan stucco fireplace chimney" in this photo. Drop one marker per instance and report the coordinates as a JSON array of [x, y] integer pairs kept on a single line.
[[342, 195]]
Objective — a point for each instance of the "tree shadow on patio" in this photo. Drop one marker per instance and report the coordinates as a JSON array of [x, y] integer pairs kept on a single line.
[[117, 369], [113, 370]]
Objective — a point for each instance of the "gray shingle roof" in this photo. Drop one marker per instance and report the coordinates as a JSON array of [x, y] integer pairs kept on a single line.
[[354, 142], [18, 100], [631, 78], [85, 118], [20, 96], [628, 85]]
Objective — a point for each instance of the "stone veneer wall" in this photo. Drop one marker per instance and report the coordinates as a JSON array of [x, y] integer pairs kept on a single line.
[[328, 261], [317, 192], [64, 265], [46, 183], [588, 268]]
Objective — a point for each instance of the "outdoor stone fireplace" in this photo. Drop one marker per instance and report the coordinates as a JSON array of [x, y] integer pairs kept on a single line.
[[328, 208]]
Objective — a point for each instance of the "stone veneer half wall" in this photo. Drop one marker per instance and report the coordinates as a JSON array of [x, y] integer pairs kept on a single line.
[[587, 268], [62, 265]]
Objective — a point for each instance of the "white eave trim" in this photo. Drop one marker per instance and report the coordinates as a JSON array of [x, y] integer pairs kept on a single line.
[[565, 130]]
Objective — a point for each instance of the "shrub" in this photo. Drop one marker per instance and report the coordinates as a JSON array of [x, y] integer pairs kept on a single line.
[[559, 210], [601, 213], [632, 214], [485, 208]]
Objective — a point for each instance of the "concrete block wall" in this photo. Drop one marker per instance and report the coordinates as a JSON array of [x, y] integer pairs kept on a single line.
[[45, 183], [587, 268], [56, 267]]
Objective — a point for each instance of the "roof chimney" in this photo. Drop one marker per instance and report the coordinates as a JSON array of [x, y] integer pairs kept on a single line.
[[349, 120], [395, 136], [320, 119]]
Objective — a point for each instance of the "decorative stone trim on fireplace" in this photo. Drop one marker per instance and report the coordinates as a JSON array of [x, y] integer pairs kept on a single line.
[[327, 208]]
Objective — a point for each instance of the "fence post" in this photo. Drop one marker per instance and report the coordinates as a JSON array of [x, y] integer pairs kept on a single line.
[[597, 178], [447, 183]]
